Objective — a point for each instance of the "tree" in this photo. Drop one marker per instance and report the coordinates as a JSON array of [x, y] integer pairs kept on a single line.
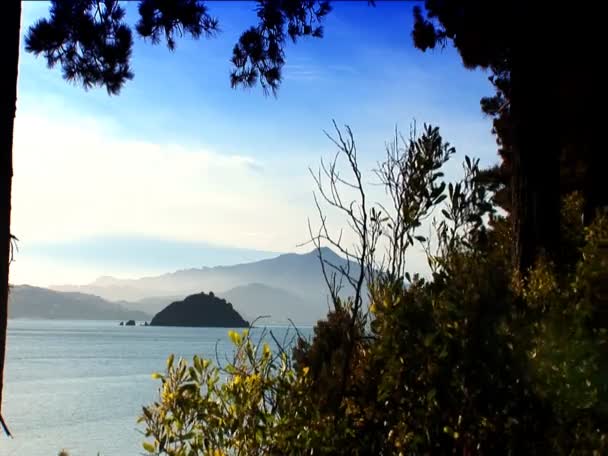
[[9, 30], [92, 43], [543, 72], [484, 35]]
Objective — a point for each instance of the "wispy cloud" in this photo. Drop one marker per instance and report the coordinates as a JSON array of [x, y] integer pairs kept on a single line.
[[312, 71], [343, 70], [302, 72], [248, 162], [75, 178]]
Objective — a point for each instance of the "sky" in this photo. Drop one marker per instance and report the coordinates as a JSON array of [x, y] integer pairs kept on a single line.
[[180, 170]]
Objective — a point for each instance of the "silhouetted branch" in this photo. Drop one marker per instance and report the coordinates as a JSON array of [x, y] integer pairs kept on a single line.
[[5, 427], [330, 183]]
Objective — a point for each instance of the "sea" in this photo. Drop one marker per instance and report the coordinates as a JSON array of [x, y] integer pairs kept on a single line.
[[80, 385]]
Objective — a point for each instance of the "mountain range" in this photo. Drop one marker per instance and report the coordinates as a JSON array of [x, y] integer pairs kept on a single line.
[[33, 302], [288, 287]]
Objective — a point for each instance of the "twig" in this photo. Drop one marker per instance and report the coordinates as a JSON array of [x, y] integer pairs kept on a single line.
[[5, 427]]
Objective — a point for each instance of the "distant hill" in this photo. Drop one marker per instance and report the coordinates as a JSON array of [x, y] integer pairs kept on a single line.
[[33, 302], [200, 310], [151, 305], [297, 278], [255, 300], [252, 300]]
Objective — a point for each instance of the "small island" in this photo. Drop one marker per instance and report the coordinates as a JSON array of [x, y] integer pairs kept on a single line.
[[200, 310]]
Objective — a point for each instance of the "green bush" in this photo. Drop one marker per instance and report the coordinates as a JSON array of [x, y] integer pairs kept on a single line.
[[472, 360]]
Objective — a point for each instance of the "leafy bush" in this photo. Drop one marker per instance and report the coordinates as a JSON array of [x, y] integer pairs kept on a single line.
[[471, 360]]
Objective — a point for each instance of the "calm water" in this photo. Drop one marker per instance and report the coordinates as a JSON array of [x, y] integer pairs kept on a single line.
[[80, 385]]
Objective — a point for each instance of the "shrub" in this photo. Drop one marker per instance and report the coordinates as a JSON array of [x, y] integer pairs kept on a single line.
[[471, 360]]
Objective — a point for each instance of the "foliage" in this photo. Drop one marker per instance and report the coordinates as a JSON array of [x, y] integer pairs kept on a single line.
[[536, 170], [92, 43], [259, 55], [158, 17], [247, 406], [473, 359], [90, 40]]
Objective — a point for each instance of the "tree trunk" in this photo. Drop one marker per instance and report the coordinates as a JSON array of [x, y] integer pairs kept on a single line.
[[596, 190], [535, 183], [10, 22], [581, 80]]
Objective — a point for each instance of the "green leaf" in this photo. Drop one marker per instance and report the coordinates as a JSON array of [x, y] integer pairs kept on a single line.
[[170, 361], [149, 447], [440, 198], [193, 373]]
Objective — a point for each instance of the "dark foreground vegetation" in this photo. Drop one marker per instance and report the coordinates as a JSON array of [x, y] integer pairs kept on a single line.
[[474, 359]]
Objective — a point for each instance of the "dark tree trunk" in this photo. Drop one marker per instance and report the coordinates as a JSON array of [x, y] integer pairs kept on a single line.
[[556, 81], [10, 22], [596, 189], [580, 88], [535, 183]]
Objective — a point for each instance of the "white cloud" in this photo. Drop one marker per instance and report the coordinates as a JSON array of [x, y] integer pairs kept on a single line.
[[75, 178]]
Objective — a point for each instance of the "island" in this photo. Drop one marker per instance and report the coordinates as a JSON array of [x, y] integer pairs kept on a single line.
[[130, 323], [200, 310]]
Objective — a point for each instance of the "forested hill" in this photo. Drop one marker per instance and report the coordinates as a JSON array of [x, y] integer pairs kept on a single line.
[[200, 310], [33, 302]]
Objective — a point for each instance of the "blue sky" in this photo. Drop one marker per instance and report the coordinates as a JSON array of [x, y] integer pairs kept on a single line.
[[182, 171]]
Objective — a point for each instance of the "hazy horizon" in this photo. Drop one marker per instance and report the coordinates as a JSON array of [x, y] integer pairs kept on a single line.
[[229, 257]]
